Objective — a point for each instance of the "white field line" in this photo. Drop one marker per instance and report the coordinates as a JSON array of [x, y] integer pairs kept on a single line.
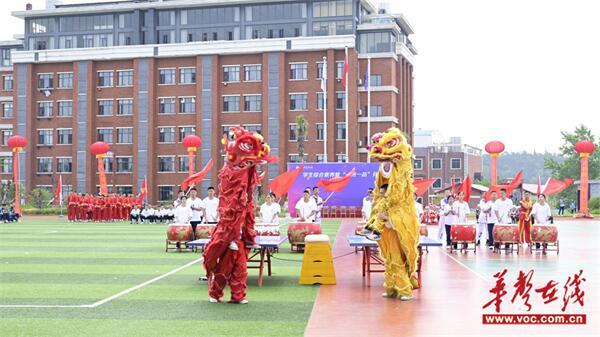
[[465, 266], [106, 300]]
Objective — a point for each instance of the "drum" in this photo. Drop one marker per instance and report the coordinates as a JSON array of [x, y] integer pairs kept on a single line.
[[544, 234], [179, 232], [506, 233], [299, 230], [267, 229], [204, 231], [462, 233]]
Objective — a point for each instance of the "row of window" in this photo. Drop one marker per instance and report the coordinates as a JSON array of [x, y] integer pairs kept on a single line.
[[436, 164], [105, 107], [319, 158], [166, 134], [105, 79], [45, 165], [340, 131]]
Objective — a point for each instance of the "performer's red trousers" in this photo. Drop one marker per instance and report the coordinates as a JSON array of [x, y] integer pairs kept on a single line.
[[71, 213], [524, 231], [231, 269]]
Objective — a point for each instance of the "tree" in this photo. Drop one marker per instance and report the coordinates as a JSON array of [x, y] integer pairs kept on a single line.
[[569, 167], [40, 197], [302, 132]]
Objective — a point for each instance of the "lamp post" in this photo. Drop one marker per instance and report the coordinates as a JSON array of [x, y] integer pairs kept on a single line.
[[16, 143], [100, 149], [494, 148], [192, 143], [584, 148]]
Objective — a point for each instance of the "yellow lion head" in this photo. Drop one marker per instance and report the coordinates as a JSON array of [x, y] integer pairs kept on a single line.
[[390, 145]]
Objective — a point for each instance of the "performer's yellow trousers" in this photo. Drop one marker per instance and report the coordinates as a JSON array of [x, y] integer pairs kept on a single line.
[[397, 281]]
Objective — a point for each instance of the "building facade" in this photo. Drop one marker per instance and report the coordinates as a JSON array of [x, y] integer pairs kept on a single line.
[[444, 160], [141, 75]]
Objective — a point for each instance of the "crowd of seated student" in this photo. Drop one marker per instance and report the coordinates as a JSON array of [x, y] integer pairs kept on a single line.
[[8, 214], [151, 214]]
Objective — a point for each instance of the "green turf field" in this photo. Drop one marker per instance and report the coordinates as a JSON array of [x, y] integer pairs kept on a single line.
[[52, 262]]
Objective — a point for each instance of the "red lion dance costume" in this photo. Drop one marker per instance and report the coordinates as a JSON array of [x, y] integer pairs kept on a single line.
[[238, 178]]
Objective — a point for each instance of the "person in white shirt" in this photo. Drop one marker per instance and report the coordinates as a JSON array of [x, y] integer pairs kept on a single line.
[[490, 210], [182, 213], [169, 215], [449, 214], [197, 206], [419, 209], [481, 219], [269, 211], [542, 214], [441, 220], [503, 207], [306, 207], [461, 209], [178, 200], [135, 214], [319, 202], [146, 215], [211, 207], [367, 205]]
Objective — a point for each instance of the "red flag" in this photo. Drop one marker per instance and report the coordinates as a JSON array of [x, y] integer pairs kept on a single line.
[[283, 182], [58, 197], [555, 186], [539, 189], [465, 187], [421, 186], [196, 177], [345, 75], [515, 183], [143, 191], [336, 184]]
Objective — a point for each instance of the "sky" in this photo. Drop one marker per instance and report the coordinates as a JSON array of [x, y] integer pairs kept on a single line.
[[519, 71]]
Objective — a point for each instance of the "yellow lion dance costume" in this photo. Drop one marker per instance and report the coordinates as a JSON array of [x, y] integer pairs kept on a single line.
[[394, 215]]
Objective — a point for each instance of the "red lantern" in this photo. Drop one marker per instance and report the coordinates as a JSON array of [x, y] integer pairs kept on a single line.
[[16, 142], [99, 148], [584, 146], [494, 147], [192, 142]]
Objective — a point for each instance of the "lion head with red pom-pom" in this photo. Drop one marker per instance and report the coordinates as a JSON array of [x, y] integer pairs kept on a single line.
[[246, 148]]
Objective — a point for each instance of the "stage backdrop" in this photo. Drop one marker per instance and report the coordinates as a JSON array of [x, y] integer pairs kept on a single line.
[[352, 195]]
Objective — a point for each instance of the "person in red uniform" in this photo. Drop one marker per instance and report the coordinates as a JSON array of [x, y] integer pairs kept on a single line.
[[71, 206], [84, 208]]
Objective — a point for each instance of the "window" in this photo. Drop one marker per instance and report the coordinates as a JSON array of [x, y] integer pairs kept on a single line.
[[293, 132], [166, 18], [125, 78], [45, 137], [124, 135], [7, 133], [231, 74], [45, 81], [379, 42], [124, 189], [44, 165], [436, 164], [252, 102], [320, 100], [125, 107], [418, 164], [165, 193], [6, 57], [64, 136], [437, 184], [253, 73], [298, 101], [187, 105], [65, 108], [187, 75], [105, 107], [105, 135], [44, 109], [65, 80], [340, 100], [339, 69], [8, 82], [320, 66], [455, 163], [320, 131], [108, 165], [166, 135], [186, 131], [332, 8], [231, 103], [375, 80], [7, 110], [105, 78], [294, 158], [124, 164], [457, 181], [166, 76], [376, 110], [341, 158], [166, 164], [253, 127], [166, 105], [298, 71], [320, 158], [340, 131], [5, 164], [183, 164], [64, 165]]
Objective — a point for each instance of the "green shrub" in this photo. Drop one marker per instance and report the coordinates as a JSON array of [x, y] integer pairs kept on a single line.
[[594, 203], [40, 197], [44, 211]]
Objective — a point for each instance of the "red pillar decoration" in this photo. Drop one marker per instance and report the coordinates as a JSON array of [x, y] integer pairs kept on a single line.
[[494, 148], [584, 148], [99, 149], [16, 143], [192, 143]]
